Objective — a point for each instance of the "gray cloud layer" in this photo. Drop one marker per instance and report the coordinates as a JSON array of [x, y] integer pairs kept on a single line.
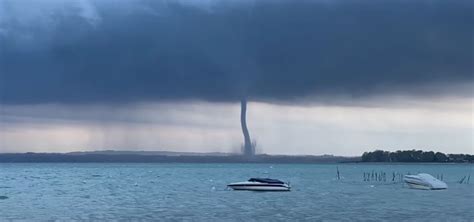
[[267, 50]]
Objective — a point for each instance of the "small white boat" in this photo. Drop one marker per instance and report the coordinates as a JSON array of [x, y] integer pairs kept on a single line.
[[424, 181], [261, 184]]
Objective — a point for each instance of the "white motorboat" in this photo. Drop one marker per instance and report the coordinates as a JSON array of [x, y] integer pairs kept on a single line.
[[424, 181], [261, 184]]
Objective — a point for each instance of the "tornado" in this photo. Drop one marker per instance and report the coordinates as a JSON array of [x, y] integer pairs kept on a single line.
[[248, 148]]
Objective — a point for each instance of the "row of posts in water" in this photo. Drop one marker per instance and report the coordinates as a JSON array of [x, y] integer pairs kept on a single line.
[[394, 177], [397, 177], [382, 176]]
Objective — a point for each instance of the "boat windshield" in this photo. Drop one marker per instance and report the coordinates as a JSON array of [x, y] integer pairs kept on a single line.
[[265, 180]]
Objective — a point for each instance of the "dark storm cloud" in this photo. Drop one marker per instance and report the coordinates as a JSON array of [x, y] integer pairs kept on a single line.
[[268, 50]]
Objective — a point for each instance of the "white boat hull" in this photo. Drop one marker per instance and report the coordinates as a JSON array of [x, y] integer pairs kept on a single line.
[[260, 188], [418, 186], [424, 181]]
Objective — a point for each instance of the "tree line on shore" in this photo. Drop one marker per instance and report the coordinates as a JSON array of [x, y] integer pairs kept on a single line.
[[415, 156]]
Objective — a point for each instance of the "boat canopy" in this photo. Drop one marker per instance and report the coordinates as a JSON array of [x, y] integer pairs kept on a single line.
[[266, 180]]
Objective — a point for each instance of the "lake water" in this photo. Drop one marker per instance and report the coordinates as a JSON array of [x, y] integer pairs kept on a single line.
[[197, 192]]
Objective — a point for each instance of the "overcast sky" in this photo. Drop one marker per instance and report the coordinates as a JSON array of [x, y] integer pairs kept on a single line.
[[322, 77]]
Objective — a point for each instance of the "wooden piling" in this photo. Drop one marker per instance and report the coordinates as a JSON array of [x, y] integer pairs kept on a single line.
[[462, 180]]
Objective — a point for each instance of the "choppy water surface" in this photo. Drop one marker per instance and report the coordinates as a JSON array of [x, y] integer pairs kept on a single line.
[[197, 192]]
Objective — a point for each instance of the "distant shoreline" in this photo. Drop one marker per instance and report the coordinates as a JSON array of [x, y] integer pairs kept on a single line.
[[415, 156], [178, 157], [153, 158]]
